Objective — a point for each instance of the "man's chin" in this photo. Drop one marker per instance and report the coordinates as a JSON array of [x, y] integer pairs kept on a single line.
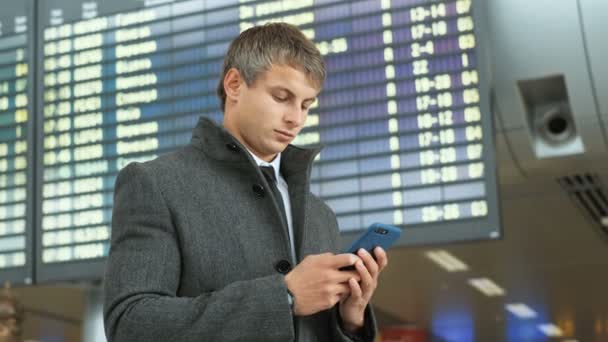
[[278, 147]]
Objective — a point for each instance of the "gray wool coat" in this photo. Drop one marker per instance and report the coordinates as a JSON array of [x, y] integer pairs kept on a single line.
[[199, 249]]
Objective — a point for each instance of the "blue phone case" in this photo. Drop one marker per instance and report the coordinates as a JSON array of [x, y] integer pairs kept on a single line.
[[377, 234]]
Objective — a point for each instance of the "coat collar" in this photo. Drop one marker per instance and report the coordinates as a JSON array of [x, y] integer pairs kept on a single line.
[[296, 164], [275, 163], [217, 143]]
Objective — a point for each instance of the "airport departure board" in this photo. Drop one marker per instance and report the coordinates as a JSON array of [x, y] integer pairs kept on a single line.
[[15, 120], [403, 115]]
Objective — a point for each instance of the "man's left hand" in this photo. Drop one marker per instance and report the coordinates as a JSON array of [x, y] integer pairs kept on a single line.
[[352, 308]]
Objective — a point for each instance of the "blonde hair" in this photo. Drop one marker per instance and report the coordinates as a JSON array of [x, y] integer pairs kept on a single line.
[[257, 48]]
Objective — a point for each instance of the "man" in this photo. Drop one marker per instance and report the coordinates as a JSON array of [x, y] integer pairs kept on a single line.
[[206, 244]]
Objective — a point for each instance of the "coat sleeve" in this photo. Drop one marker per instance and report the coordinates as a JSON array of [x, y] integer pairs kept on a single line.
[[368, 332], [143, 276]]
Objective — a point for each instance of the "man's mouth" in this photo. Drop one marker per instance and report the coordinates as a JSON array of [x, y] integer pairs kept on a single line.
[[285, 134]]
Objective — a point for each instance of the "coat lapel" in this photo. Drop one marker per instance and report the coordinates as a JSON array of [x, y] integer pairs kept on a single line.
[[295, 168]]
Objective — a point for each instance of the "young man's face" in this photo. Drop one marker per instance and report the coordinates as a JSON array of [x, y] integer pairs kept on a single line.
[[267, 116]]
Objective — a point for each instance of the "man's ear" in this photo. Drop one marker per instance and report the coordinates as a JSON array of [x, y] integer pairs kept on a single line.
[[232, 84]]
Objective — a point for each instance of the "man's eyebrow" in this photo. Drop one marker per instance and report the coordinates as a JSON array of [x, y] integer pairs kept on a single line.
[[290, 93]]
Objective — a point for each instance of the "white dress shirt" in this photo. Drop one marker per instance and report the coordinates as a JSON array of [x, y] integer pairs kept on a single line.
[[283, 189]]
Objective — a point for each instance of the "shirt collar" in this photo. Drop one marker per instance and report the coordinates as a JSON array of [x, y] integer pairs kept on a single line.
[[275, 163]]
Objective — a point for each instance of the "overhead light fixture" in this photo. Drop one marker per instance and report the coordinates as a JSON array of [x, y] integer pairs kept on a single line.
[[605, 221], [551, 330], [447, 261], [487, 287], [521, 310]]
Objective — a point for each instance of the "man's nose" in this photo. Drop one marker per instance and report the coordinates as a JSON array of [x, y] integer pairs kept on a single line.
[[295, 116]]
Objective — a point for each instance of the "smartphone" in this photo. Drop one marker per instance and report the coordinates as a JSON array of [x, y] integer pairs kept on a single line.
[[377, 235]]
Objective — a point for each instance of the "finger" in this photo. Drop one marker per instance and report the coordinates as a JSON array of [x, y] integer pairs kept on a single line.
[[341, 292], [367, 281], [342, 260], [381, 258], [355, 290], [341, 289], [369, 261], [344, 276]]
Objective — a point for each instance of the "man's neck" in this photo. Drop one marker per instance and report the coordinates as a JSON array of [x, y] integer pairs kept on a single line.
[[274, 161]]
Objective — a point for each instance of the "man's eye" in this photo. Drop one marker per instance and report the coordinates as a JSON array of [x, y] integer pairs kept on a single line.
[[279, 99]]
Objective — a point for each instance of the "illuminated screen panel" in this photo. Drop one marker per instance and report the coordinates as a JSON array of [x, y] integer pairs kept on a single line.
[[15, 227], [407, 133], [407, 128]]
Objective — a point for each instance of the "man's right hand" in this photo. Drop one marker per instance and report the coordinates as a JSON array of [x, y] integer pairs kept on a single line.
[[317, 284]]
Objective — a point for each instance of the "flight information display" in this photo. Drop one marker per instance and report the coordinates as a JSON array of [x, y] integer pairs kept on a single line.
[[15, 227], [406, 128]]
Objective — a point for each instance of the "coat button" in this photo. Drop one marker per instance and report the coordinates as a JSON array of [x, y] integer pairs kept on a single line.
[[232, 147], [283, 266], [259, 190]]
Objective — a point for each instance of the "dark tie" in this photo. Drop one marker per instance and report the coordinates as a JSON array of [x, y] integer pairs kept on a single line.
[[270, 176]]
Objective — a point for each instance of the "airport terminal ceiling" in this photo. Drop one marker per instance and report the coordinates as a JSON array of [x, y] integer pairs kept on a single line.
[[404, 115]]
